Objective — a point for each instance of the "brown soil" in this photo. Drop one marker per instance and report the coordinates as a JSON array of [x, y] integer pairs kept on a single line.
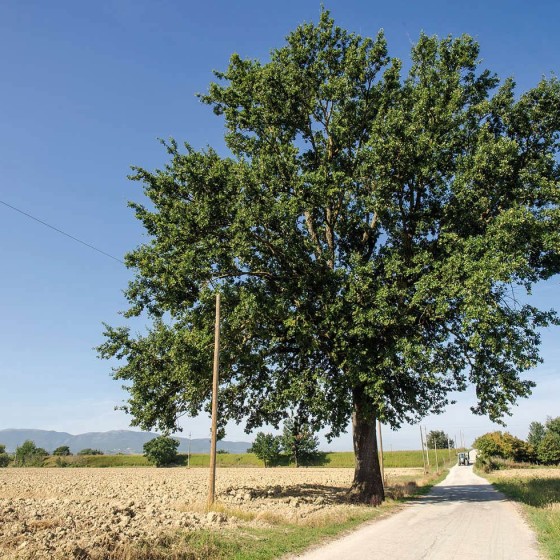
[[79, 513]]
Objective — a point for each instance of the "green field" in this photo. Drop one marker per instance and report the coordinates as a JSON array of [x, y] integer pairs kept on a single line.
[[339, 459]]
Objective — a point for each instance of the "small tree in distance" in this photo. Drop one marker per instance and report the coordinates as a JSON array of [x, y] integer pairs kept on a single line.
[[439, 439], [29, 455], [536, 433], [161, 451], [504, 446], [298, 441], [89, 451], [62, 451], [548, 451], [267, 448], [4, 457], [553, 425]]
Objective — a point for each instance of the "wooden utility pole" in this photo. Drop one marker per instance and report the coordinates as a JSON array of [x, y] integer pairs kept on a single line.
[[212, 483], [427, 447], [423, 455], [381, 452], [435, 449]]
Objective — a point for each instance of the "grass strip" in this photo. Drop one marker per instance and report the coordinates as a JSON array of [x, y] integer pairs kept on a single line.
[[246, 543], [339, 459]]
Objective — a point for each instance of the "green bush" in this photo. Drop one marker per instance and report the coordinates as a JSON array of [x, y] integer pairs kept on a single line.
[[553, 425], [60, 462], [29, 455], [162, 451], [439, 439], [536, 433], [486, 463], [267, 448], [298, 441], [4, 457], [548, 451], [62, 451], [504, 446], [89, 451]]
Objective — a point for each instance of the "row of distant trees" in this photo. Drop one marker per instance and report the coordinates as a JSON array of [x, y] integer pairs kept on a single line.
[[29, 455], [297, 442], [439, 439], [542, 446]]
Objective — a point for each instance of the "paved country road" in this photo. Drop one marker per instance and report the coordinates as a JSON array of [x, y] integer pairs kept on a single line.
[[462, 517]]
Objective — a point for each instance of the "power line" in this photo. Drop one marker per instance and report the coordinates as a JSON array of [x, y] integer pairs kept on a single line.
[[62, 232]]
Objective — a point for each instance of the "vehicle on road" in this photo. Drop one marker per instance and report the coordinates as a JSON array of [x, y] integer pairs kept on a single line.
[[463, 459]]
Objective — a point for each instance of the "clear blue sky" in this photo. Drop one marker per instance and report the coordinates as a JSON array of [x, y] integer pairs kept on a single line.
[[87, 88]]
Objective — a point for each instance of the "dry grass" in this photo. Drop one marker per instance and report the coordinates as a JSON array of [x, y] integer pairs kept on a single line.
[[221, 508], [538, 490], [526, 474]]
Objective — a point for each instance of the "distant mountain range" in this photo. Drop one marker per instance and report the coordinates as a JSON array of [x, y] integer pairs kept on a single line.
[[115, 441]]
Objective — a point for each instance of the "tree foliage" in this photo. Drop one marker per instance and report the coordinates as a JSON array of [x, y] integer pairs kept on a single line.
[[440, 439], [267, 447], [62, 451], [503, 445], [162, 451], [369, 234], [29, 455], [545, 439], [299, 441], [89, 451], [548, 450], [553, 425], [4, 457], [536, 433]]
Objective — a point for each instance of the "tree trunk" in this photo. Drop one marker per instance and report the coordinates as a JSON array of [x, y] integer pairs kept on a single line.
[[367, 486]]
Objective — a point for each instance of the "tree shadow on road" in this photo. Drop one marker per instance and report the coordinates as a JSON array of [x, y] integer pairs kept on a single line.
[[463, 493]]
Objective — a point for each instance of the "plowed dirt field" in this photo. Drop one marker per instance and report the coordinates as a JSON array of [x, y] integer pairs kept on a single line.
[[83, 513]]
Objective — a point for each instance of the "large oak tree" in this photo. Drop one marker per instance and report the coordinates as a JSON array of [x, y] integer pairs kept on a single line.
[[369, 233]]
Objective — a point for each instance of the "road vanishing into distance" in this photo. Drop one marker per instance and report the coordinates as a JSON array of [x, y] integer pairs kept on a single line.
[[462, 517]]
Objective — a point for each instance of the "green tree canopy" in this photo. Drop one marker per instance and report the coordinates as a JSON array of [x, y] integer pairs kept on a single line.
[[368, 232], [162, 451], [4, 457], [29, 455], [63, 451], [267, 447], [536, 433], [440, 439], [548, 450], [298, 440], [504, 446], [553, 425], [89, 451]]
